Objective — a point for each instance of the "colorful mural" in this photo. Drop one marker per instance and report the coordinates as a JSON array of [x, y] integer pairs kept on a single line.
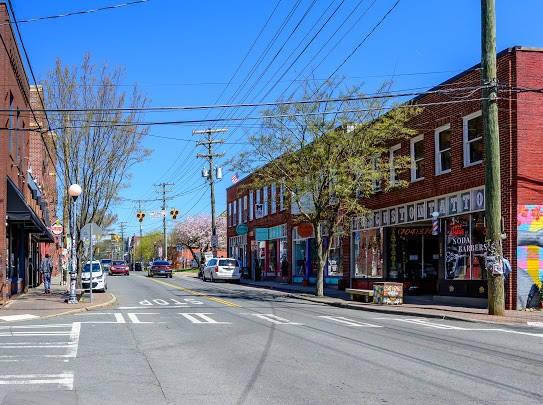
[[529, 254]]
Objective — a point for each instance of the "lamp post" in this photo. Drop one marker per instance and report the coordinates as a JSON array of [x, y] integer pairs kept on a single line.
[[74, 191]]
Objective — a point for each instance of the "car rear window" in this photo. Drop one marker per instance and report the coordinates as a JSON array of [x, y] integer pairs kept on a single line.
[[161, 263], [227, 262]]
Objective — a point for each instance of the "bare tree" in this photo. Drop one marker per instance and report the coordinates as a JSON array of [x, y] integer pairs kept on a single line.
[[328, 150], [97, 134]]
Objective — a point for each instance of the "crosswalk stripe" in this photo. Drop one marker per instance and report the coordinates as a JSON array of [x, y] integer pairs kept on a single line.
[[350, 322]]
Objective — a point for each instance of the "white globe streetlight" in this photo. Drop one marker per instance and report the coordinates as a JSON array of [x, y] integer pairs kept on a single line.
[[74, 191]]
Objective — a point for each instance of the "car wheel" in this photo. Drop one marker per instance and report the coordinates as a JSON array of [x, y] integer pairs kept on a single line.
[[171, 275]]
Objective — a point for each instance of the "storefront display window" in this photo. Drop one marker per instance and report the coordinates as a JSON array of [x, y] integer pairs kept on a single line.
[[298, 267], [465, 247], [367, 253], [334, 259]]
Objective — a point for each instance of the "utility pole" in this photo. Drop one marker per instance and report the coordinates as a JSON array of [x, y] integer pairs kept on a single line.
[[209, 156], [493, 210], [163, 185]]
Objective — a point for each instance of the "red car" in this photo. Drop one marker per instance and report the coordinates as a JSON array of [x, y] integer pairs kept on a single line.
[[119, 267]]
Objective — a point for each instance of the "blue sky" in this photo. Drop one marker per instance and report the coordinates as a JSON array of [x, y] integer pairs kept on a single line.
[[186, 53]]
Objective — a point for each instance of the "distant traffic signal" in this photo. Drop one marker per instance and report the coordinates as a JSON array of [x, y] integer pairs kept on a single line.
[[140, 216], [174, 213]]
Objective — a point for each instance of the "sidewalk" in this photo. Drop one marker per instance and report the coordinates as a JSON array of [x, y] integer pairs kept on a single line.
[[35, 304], [420, 306]]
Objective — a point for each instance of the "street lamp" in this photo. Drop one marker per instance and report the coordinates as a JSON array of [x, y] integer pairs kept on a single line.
[[74, 191]]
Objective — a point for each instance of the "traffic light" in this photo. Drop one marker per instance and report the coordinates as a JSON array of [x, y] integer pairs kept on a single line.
[[174, 213], [140, 216]]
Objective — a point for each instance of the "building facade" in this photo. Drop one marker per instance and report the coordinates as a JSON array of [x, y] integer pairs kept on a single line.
[[429, 235], [25, 200]]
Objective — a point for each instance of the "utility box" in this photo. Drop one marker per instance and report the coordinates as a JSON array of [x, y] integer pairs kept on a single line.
[[386, 293]]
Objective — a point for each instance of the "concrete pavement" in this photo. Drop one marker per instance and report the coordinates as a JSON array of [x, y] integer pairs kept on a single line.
[[36, 305]]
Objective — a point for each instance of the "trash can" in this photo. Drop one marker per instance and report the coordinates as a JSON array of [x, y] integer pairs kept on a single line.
[[138, 266], [246, 273]]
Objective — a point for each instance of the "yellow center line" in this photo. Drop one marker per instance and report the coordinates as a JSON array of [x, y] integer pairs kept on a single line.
[[220, 301]]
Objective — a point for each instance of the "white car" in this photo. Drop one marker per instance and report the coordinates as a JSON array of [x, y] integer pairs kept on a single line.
[[218, 268], [99, 278]]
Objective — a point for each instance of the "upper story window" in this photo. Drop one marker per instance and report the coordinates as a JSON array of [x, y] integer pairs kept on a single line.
[[10, 122], [417, 158], [282, 197], [443, 149], [393, 162], [473, 139], [234, 212], [245, 209], [251, 206], [240, 210], [375, 174], [273, 208], [265, 201], [229, 214]]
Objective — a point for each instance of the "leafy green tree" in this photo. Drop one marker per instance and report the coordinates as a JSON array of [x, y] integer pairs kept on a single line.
[[328, 150], [148, 245]]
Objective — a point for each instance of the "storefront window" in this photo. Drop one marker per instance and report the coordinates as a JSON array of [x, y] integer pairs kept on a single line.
[[298, 267], [465, 247], [367, 253], [334, 259]]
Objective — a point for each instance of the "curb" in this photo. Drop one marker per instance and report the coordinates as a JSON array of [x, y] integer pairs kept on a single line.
[[83, 309]]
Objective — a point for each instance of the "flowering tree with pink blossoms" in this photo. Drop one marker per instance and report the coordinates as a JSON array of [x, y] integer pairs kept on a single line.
[[194, 233]]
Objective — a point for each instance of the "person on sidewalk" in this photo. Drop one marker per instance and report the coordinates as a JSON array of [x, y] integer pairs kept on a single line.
[[46, 268]]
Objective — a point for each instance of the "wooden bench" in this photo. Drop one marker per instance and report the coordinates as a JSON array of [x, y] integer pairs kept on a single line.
[[359, 295]]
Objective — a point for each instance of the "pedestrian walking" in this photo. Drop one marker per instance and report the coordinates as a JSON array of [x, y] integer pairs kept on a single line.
[[46, 268]]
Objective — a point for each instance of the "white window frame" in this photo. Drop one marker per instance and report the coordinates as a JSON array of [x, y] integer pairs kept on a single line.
[[437, 132], [413, 141], [251, 212], [282, 197], [273, 209], [265, 201], [393, 178], [376, 185], [465, 138], [229, 214]]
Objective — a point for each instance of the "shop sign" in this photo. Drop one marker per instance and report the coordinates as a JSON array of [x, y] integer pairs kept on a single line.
[[57, 229], [305, 230], [259, 210], [462, 202], [261, 234], [414, 231], [242, 229]]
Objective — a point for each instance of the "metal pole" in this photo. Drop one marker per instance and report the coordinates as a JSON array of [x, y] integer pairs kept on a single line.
[[73, 276], [90, 286], [165, 253]]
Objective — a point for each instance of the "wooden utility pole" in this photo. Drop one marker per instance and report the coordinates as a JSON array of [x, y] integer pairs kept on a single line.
[[209, 156], [493, 210]]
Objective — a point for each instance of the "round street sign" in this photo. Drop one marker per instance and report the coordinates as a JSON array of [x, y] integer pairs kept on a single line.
[[57, 229], [241, 229]]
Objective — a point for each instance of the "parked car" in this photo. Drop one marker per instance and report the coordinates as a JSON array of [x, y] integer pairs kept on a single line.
[[99, 278], [160, 268], [119, 267], [105, 264], [218, 268]]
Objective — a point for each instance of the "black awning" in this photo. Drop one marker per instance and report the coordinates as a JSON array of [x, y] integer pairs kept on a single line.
[[18, 211]]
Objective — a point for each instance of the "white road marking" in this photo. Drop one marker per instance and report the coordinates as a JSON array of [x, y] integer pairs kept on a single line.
[[65, 380], [147, 307], [74, 339], [203, 317], [21, 317], [275, 319], [425, 322], [536, 324], [350, 322], [134, 316]]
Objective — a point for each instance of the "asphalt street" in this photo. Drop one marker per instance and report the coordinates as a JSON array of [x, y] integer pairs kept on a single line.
[[185, 341]]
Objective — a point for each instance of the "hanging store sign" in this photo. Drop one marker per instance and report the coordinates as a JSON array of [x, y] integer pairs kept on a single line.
[[305, 230], [242, 229]]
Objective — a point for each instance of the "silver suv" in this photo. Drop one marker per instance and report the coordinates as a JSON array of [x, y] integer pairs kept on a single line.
[[218, 268]]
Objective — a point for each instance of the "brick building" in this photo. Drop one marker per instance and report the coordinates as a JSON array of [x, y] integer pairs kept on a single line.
[[24, 201], [395, 240]]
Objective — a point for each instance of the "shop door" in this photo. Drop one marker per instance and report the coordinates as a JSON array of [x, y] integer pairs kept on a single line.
[[423, 257]]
